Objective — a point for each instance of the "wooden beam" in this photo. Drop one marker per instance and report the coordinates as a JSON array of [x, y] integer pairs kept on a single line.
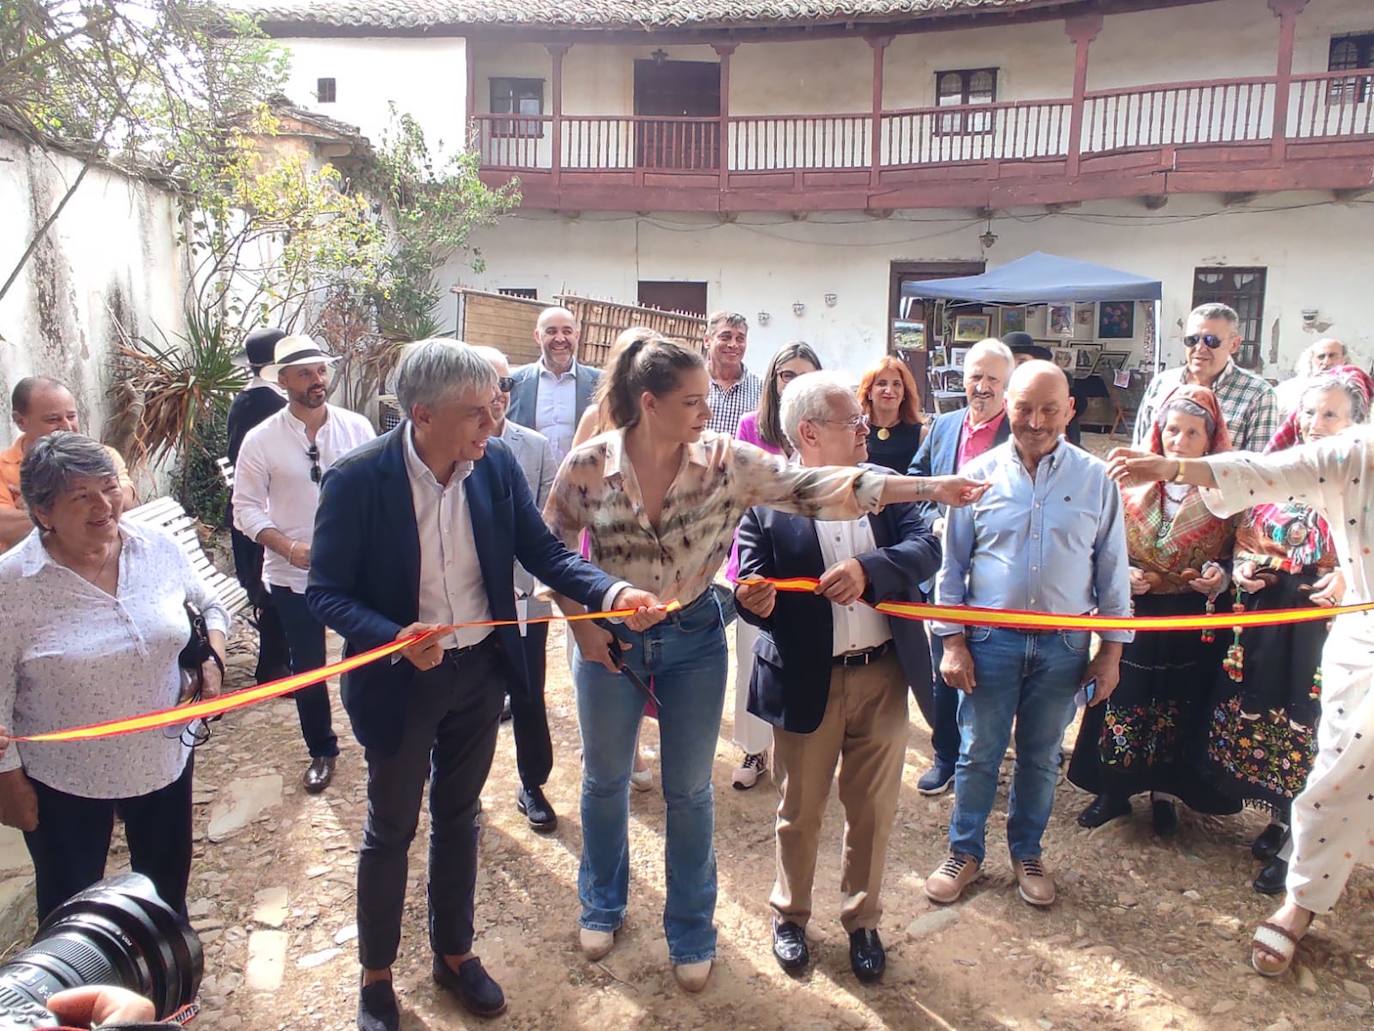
[[1055, 209], [1235, 200], [724, 51], [556, 51], [879, 44], [1287, 12], [1081, 29], [1346, 196]]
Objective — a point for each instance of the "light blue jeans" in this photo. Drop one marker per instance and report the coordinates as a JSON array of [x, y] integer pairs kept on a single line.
[[1028, 679], [684, 659]]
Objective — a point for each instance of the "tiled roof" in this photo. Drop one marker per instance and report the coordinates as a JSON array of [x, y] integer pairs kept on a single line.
[[594, 14]]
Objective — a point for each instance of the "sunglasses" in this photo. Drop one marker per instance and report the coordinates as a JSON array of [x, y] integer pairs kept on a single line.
[[1208, 340], [313, 453], [505, 384]]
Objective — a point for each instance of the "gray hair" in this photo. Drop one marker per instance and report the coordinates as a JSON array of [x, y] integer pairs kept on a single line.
[[807, 399], [991, 346], [1184, 406], [1217, 310], [1320, 384], [432, 368], [1304, 366], [53, 462]]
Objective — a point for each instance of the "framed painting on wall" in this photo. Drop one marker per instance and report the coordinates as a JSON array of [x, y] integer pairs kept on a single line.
[[972, 328], [1083, 324], [1116, 320], [1036, 320], [1013, 320], [1084, 358], [1063, 357], [957, 355], [1109, 363], [908, 335], [1061, 320]]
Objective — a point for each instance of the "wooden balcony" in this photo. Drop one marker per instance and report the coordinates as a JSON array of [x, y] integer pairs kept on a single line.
[[1235, 136]]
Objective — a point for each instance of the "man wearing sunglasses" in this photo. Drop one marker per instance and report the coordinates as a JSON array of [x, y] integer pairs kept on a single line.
[[276, 491], [1211, 338], [533, 745]]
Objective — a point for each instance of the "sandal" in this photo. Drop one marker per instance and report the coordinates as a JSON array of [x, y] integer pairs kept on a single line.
[[1277, 944]]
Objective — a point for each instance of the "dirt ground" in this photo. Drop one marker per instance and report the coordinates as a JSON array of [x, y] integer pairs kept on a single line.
[[1146, 934]]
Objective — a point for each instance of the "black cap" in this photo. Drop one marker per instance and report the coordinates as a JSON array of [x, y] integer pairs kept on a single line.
[[259, 346]]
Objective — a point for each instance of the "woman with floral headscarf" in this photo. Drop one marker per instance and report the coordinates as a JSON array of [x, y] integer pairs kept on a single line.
[[1145, 736], [1265, 704]]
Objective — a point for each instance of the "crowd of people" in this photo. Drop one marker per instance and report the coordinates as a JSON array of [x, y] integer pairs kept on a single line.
[[675, 486]]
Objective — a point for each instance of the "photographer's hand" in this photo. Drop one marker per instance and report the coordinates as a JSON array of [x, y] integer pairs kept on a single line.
[[94, 1005]]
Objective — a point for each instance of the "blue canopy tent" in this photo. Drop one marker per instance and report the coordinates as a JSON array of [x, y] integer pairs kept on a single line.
[[1041, 278]]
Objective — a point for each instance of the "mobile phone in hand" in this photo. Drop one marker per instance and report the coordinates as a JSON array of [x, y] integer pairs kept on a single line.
[[1086, 694]]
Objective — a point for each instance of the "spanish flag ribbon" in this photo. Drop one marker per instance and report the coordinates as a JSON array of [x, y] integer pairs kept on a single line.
[[286, 685], [1019, 619]]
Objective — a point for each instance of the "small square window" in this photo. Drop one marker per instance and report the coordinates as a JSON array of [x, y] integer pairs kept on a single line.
[[964, 88], [518, 97], [1347, 54], [324, 91]]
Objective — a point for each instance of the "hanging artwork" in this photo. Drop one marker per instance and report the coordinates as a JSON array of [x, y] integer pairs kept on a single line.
[[1116, 320], [1013, 320], [1061, 320]]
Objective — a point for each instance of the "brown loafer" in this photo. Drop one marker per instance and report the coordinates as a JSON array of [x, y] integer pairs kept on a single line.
[[1033, 884], [955, 874]]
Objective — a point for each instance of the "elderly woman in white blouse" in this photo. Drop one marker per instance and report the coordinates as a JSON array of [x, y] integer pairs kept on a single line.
[[94, 620]]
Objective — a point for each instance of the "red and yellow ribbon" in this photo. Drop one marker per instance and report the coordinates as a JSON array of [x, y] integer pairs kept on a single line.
[[286, 685], [1019, 619]]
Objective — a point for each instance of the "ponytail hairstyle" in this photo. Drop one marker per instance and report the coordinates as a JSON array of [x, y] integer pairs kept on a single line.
[[648, 363]]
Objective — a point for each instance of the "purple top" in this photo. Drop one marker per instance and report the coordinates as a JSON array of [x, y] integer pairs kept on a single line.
[[749, 433]]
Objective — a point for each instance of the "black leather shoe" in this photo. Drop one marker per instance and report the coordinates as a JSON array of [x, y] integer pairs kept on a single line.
[[318, 774], [535, 806], [1271, 879], [505, 711], [789, 946], [1164, 816], [867, 956], [377, 1010], [1103, 809], [473, 986], [1270, 840]]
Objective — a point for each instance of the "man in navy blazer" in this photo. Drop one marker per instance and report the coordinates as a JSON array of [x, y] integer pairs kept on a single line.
[[831, 673], [954, 440], [419, 531], [551, 394]]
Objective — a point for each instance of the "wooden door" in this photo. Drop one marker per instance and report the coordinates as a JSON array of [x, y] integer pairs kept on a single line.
[[673, 91], [913, 309], [673, 296]]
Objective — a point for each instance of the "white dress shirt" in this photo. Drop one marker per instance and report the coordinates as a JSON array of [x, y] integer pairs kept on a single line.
[[451, 586], [857, 627], [70, 654], [272, 484], [555, 407]]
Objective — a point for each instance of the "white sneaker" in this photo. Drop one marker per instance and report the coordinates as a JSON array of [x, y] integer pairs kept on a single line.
[[693, 976], [748, 772], [595, 944], [642, 780]]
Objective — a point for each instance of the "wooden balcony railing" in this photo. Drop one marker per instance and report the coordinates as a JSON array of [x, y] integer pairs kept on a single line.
[[1325, 106]]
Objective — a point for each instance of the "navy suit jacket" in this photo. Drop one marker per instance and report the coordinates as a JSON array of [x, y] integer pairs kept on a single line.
[[939, 452], [365, 568], [524, 395], [790, 684]]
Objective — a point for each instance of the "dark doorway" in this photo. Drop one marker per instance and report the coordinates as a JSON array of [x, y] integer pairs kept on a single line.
[[677, 102], [1243, 290], [673, 296], [912, 309]]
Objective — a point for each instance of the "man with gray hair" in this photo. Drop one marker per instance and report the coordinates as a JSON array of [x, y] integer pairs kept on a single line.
[[416, 540], [551, 394], [832, 672], [1325, 354], [1211, 339], [734, 390]]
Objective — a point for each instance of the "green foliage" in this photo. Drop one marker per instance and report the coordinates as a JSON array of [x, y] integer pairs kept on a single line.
[[197, 483]]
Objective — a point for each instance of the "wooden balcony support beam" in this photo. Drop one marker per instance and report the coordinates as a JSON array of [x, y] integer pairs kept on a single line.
[[1081, 29], [1287, 12], [879, 45], [724, 51], [557, 52]]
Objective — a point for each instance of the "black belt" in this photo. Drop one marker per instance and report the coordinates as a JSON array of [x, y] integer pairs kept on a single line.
[[454, 654], [864, 657]]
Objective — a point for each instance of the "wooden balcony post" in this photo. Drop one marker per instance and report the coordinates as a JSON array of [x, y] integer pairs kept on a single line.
[[1082, 30], [470, 129], [724, 51], [1287, 12], [879, 45], [556, 51]]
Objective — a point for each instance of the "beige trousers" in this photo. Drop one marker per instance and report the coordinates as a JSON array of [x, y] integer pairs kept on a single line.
[[864, 731]]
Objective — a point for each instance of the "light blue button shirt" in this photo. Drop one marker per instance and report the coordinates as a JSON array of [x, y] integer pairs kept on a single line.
[[1055, 543]]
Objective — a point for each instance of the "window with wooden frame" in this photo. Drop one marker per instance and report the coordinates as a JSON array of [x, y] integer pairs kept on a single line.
[[963, 88], [1243, 290], [325, 91], [517, 97], [1349, 53]]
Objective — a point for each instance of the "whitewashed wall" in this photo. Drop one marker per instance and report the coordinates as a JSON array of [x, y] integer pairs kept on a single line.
[[762, 263], [112, 252]]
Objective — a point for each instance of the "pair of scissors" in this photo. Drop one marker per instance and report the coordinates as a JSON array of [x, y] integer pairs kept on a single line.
[[617, 653]]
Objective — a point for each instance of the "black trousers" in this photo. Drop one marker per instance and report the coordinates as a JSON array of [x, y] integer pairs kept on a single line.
[[274, 656], [305, 635], [452, 714], [72, 841], [533, 745]]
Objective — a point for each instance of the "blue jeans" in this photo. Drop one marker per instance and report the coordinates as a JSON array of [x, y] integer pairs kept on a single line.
[[1030, 679], [685, 657]]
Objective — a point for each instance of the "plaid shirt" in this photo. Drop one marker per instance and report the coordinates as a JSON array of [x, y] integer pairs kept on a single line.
[[1247, 404], [729, 406]]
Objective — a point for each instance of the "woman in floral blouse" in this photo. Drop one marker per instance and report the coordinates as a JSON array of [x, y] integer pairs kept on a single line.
[[660, 499], [1265, 704], [1146, 737]]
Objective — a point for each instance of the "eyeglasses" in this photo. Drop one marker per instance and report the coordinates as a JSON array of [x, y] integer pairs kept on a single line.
[[858, 424], [505, 384], [313, 453], [786, 376], [1209, 340]]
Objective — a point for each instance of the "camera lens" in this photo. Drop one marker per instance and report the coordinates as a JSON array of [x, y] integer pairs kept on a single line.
[[117, 932]]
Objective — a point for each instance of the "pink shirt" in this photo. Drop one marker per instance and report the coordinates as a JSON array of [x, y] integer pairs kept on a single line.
[[973, 442], [749, 433]]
